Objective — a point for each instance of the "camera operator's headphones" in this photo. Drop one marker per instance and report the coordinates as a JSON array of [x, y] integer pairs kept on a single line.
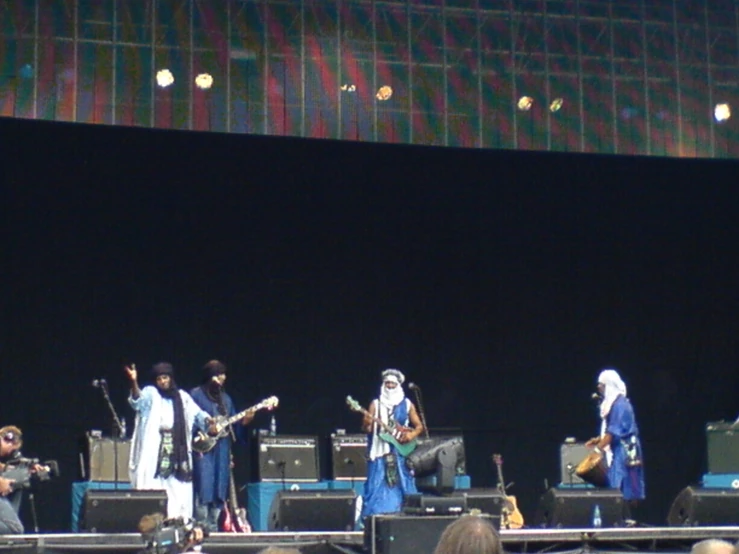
[[12, 434]]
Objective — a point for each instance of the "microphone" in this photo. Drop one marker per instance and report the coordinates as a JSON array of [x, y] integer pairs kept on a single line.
[[413, 386], [595, 396], [99, 383]]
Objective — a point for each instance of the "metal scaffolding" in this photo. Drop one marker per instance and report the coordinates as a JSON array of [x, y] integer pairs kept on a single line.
[[612, 76]]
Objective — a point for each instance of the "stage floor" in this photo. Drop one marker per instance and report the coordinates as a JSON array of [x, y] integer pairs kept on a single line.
[[645, 539]]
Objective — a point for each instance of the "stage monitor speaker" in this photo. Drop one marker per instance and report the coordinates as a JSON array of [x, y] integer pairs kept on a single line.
[[313, 511], [348, 457], [573, 508], [287, 458], [98, 457], [695, 506], [488, 501], [119, 511], [722, 442], [570, 456], [401, 534]]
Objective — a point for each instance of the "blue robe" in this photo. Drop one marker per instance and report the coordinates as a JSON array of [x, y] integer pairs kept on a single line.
[[379, 497], [621, 425], [212, 470]]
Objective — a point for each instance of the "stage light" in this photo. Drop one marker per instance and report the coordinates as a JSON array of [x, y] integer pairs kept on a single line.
[[722, 112], [346, 87], [525, 103], [556, 105], [204, 81], [164, 78], [384, 93], [26, 71]]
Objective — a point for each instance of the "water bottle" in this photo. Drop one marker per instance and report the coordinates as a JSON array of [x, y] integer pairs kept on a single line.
[[272, 427], [597, 521]]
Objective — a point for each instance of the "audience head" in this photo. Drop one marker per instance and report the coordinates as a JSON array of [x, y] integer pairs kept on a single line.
[[470, 534]]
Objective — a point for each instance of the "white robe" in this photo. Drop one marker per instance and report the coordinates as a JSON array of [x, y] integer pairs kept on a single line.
[[152, 414]]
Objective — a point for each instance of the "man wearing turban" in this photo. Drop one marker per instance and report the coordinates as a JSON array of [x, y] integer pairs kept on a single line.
[[161, 452]]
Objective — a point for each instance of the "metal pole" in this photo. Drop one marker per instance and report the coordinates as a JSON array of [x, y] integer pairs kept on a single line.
[[339, 74], [445, 69], [547, 83], [114, 65], [678, 92], [478, 38], [152, 99], [709, 75], [374, 69], [229, 30], [36, 24], [75, 56], [647, 111], [409, 45], [614, 99], [302, 68], [514, 88], [191, 69], [581, 101]]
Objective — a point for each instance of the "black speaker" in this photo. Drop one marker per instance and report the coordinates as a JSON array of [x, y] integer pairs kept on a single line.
[[119, 511], [348, 457], [401, 534], [287, 458], [695, 506], [432, 504], [574, 508], [488, 501], [312, 511]]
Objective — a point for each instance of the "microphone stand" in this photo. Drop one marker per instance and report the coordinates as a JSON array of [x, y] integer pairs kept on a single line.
[[417, 392], [119, 428]]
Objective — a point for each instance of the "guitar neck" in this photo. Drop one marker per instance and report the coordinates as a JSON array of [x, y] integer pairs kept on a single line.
[[377, 420], [236, 417]]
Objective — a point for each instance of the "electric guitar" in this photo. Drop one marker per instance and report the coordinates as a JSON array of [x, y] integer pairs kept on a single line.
[[233, 518], [204, 442], [510, 516], [391, 433]]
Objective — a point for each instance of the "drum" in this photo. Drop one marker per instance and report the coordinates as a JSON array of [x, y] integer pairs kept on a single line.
[[593, 470]]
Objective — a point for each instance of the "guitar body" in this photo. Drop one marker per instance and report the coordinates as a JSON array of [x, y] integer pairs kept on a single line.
[[203, 443], [228, 523], [515, 517], [404, 448]]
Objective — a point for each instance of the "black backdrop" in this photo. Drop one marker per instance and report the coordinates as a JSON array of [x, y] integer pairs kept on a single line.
[[501, 282]]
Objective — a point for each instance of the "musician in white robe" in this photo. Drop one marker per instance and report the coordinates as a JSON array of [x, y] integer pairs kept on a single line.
[[161, 450]]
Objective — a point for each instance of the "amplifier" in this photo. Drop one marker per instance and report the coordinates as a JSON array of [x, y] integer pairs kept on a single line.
[[104, 459], [722, 439], [348, 457], [570, 456], [287, 458], [428, 504]]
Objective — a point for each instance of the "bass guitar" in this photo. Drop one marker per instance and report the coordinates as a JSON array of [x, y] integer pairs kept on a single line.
[[204, 442], [233, 518], [390, 433], [510, 516]]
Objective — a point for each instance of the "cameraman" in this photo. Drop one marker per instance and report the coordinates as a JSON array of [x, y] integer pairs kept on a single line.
[[11, 439]]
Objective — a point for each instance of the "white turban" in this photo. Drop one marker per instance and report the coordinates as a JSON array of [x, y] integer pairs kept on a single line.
[[614, 387]]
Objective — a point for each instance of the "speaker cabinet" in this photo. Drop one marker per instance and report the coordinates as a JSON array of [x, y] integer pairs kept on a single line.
[[348, 457], [119, 511], [104, 459], [570, 456], [401, 534], [695, 506], [722, 444], [313, 511], [287, 458], [488, 501], [573, 508]]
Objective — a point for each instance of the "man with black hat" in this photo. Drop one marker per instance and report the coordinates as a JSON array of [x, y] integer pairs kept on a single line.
[[161, 453], [212, 468]]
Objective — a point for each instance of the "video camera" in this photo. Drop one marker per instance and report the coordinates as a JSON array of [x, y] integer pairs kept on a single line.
[[170, 536], [24, 471]]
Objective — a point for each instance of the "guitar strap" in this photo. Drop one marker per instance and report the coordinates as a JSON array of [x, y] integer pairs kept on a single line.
[[391, 470]]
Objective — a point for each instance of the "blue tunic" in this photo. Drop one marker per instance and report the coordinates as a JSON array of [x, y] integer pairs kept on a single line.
[[621, 425], [379, 497], [212, 469]]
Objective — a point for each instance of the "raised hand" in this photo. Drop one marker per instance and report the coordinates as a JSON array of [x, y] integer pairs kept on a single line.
[[132, 372]]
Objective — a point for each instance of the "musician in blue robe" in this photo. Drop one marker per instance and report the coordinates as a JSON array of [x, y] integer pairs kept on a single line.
[[212, 469], [388, 477], [619, 438]]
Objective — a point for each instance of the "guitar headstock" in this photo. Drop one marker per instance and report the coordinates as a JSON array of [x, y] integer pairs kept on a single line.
[[269, 403], [353, 404]]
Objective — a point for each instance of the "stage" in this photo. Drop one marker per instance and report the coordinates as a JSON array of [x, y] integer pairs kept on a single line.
[[645, 539]]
